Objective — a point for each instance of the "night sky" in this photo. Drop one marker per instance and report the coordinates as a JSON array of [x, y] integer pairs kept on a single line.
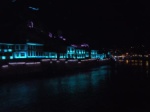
[[99, 23]]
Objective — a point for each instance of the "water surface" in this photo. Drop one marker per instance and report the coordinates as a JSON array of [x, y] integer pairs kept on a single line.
[[109, 88]]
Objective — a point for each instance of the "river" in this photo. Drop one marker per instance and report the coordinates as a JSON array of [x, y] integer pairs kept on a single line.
[[120, 87]]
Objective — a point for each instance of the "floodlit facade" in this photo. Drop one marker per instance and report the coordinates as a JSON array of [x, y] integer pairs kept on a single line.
[[36, 51]]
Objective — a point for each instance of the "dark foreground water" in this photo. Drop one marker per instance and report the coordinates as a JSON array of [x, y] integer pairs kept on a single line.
[[109, 88]]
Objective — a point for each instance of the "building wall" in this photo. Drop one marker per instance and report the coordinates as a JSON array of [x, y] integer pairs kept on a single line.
[[6, 51], [35, 50]]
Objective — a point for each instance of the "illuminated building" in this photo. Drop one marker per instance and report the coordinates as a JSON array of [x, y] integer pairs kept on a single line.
[[36, 51]]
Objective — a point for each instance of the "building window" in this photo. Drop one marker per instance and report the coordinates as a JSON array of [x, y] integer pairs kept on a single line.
[[22, 54], [11, 57], [9, 50], [3, 57], [5, 50], [22, 47], [17, 54], [17, 47]]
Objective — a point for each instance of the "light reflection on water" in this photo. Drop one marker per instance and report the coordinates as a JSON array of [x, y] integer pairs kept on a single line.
[[147, 63], [16, 95], [127, 61], [28, 95], [79, 82], [120, 86], [137, 62]]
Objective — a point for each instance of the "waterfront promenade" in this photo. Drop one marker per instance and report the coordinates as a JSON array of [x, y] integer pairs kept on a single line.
[[22, 68]]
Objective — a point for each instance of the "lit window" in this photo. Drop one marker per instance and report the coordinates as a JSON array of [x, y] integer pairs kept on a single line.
[[3, 57], [5, 50], [9, 50], [11, 57]]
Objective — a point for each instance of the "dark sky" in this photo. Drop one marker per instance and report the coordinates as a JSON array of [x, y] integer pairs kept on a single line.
[[107, 23]]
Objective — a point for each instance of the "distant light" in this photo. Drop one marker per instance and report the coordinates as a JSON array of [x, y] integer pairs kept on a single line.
[[30, 24], [62, 59], [73, 45], [79, 62], [45, 60], [9, 50], [84, 45], [11, 57], [50, 35], [54, 59], [73, 60], [4, 66], [61, 37], [33, 8], [16, 63], [147, 63], [35, 44], [5, 50], [33, 63], [3, 57]]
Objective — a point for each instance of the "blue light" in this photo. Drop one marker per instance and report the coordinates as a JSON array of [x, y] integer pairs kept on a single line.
[[33, 8], [65, 56], [53, 55], [37, 44], [5, 50], [6, 44], [9, 50], [11, 57], [3, 57], [93, 51], [61, 57], [20, 55], [86, 55], [36, 56], [34, 50]]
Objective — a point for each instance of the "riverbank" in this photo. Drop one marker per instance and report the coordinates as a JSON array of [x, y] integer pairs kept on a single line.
[[39, 68]]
